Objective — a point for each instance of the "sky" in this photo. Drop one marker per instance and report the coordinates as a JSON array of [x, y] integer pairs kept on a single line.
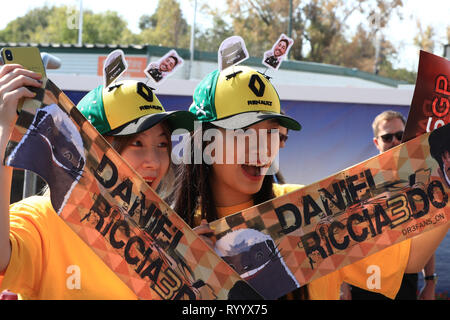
[[399, 32]]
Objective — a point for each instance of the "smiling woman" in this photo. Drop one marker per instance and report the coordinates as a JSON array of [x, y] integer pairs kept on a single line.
[[236, 99], [147, 152], [207, 192], [32, 235], [222, 102]]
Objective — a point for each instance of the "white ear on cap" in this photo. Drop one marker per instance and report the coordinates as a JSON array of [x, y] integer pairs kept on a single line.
[[114, 66], [232, 51]]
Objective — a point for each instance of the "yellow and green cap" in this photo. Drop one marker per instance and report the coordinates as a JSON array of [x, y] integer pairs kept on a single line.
[[238, 97], [129, 107]]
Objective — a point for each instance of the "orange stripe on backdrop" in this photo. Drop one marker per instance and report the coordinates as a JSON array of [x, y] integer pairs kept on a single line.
[[136, 66]]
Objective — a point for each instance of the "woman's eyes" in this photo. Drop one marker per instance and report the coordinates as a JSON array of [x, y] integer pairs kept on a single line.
[[138, 143]]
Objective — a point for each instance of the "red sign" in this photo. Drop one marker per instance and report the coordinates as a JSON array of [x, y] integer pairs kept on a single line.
[[430, 108], [136, 66]]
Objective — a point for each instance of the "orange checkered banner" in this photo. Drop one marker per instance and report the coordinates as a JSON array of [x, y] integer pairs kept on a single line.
[[430, 107], [275, 247], [113, 209], [285, 243]]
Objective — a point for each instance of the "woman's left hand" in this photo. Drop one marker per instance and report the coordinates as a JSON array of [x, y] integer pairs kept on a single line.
[[206, 233]]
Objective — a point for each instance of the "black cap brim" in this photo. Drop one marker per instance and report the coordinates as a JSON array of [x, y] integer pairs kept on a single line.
[[243, 120], [174, 119]]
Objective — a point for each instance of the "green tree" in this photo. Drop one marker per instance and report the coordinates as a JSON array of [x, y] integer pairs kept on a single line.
[[24, 28], [147, 22], [166, 27], [107, 27], [56, 25], [318, 26], [387, 70], [322, 28], [59, 28], [258, 22], [210, 39], [424, 39], [358, 53]]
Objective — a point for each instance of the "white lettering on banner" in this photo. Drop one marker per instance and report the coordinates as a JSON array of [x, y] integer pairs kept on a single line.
[[437, 124]]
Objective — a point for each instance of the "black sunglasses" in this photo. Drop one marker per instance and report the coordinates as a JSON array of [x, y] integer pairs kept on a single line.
[[387, 138]]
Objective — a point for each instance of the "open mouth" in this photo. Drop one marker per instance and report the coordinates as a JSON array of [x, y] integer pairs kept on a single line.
[[255, 172]]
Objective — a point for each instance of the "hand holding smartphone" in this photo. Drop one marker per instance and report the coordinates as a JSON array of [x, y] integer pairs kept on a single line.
[[28, 57]]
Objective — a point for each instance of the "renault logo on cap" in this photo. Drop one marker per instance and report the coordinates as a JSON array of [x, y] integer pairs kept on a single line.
[[259, 92], [145, 92]]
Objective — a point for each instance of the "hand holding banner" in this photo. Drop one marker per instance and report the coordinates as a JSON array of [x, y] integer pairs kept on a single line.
[[109, 206], [344, 218]]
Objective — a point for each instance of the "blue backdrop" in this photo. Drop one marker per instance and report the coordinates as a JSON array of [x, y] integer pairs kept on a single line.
[[334, 136]]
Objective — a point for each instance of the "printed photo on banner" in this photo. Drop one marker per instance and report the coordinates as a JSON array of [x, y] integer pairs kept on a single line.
[[164, 67], [53, 148], [231, 52], [115, 65], [83, 173], [256, 258], [273, 58], [440, 151]]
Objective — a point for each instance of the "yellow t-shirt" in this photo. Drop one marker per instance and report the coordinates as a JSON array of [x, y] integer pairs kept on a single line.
[[392, 262], [49, 261]]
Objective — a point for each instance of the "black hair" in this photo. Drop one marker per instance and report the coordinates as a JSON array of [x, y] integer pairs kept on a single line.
[[193, 189], [174, 58], [286, 41], [164, 190], [193, 192], [439, 143]]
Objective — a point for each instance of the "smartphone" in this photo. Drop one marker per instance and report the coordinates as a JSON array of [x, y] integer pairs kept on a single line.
[[28, 57]]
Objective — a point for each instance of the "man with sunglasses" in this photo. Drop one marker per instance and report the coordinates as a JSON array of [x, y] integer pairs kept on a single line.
[[388, 128]]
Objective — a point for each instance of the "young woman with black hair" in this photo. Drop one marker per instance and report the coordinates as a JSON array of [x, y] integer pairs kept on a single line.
[[241, 98]]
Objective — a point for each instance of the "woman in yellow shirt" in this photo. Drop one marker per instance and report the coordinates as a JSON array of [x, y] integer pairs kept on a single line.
[[40, 256], [241, 98]]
